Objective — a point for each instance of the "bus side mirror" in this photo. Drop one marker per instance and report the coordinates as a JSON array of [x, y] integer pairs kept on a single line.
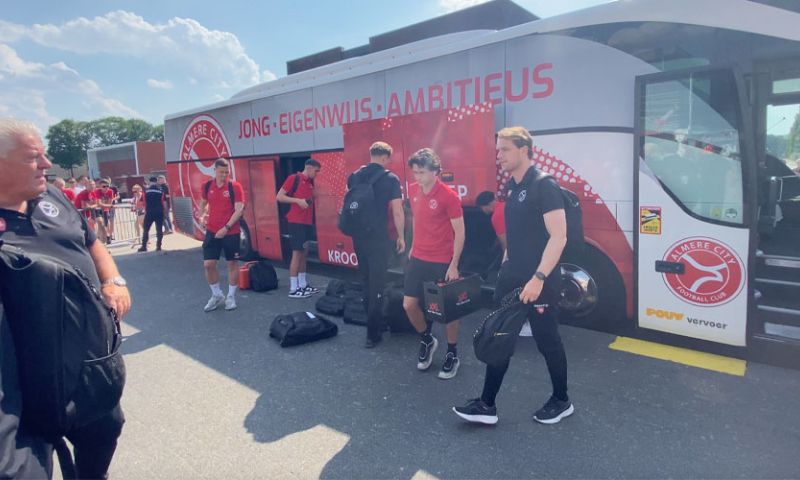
[[768, 212]]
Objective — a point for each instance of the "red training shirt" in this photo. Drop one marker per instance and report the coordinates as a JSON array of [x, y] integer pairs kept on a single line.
[[433, 232], [105, 197], [220, 207], [305, 190], [69, 194], [85, 196], [499, 218]]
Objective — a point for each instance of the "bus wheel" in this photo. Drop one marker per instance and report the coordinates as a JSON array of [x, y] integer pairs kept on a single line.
[[593, 294], [245, 245]]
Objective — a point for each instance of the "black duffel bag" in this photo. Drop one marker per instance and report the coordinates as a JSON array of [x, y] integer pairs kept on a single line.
[[355, 313], [496, 337], [394, 315], [330, 305], [262, 276], [301, 327], [336, 288]]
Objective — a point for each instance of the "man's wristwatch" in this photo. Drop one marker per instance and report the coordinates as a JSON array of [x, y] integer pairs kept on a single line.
[[118, 281], [541, 276]]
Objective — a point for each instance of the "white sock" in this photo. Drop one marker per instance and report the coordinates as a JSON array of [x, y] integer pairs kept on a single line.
[[301, 278], [231, 290], [215, 290], [292, 284]]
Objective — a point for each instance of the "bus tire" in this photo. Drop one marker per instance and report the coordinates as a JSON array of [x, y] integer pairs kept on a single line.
[[594, 295], [246, 251]]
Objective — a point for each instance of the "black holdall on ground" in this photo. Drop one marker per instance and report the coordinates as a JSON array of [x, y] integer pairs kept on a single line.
[[337, 288], [449, 301], [358, 210], [574, 215], [394, 315], [262, 276], [67, 342], [496, 337], [330, 305], [355, 313], [301, 327]]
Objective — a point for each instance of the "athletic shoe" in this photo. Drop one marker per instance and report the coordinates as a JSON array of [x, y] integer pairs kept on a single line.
[[450, 366], [214, 302], [230, 303], [310, 290], [426, 353], [299, 293], [553, 411], [372, 342], [142, 249], [477, 411]]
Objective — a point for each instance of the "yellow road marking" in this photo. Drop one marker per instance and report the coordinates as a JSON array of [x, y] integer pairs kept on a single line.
[[708, 361]]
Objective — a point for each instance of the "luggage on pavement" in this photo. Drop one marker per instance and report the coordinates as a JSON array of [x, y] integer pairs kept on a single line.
[[496, 337], [330, 305], [394, 315], [301, 327], [262, 276]]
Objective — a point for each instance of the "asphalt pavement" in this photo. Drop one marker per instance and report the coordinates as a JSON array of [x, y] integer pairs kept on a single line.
[[210, 395]]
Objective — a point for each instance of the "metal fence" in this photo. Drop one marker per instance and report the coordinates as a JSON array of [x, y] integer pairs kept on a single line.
[[125, 229]]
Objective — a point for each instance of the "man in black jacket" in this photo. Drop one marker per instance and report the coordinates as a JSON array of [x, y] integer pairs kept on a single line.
[[154, 208], [39, 219]]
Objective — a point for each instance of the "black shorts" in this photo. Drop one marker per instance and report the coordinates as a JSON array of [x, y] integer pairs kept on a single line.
[[417, 272], [100, 213], [213, 247], [299, 234]]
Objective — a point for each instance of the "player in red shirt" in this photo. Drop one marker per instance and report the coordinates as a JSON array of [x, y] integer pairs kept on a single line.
[[220, 216], [488, 204], [435, 252], [298, 191], [62, 185]]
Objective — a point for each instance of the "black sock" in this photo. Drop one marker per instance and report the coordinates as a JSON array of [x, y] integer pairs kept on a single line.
[[452, 347], [426, 337], [428, 328]]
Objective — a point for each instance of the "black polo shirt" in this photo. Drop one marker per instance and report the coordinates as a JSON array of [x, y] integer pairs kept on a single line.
[[154, 200], [386, 189], [51, 226], [525, 206]]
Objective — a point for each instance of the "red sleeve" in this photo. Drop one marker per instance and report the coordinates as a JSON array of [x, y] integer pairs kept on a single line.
[[69, 194], [78, 199], [499, 218], [238, 193], [454, 209], [288, 184]]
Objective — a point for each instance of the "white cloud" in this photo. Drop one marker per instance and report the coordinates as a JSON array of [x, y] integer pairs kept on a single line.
[[10, 32], [210, 56], [453, 5], [267, 76], [159, 84], [26, 86]]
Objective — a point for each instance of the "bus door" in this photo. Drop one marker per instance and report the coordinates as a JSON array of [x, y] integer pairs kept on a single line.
[[691, 235], [777, 263], [266, 230]]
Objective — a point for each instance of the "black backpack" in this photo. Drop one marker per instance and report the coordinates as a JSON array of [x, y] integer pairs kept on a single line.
[[301, 327], [359, 211], [496, 337], [354, 313], [263, 276], [67, 342], [573, 214], [394, 315], [283, 208], [336, 288], [330, 305]]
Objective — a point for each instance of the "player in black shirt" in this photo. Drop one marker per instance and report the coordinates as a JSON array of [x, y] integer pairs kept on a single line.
[[162, 182], [39, 219], [373, 249], [536, 229], [154, 208]]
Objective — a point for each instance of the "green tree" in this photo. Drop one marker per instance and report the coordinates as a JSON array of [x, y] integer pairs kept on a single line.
[[158, 133], [793, 139], [67, 142], [115, 130]]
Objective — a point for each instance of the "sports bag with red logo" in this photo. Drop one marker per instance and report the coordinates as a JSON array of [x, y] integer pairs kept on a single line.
[[496, 338]]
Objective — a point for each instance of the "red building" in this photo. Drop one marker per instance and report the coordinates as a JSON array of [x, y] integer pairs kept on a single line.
[[127, 163]]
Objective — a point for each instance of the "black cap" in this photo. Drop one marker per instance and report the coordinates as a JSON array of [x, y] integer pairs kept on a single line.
[[153, 179]]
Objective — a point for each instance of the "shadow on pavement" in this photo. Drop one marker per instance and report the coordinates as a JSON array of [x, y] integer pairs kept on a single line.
[[635, 417]]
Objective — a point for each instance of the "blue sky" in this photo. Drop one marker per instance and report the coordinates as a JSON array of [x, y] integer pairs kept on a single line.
[[85, 59]]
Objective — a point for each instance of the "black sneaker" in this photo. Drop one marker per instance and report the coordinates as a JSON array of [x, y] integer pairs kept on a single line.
[[309, 290], [553, 411], [477, 411], [449, 367], [372, 342], [142, 249], [426, 353]]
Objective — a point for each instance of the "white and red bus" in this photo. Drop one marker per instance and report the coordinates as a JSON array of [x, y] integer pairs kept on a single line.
[[657, 114]]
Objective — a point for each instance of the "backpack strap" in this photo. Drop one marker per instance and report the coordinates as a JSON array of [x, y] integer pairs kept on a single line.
[[372, 181], [295, 184], [230, 194]]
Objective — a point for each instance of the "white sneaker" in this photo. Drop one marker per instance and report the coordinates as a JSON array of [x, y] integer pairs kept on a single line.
[[214, 302], [299, 293], [230, 303]]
